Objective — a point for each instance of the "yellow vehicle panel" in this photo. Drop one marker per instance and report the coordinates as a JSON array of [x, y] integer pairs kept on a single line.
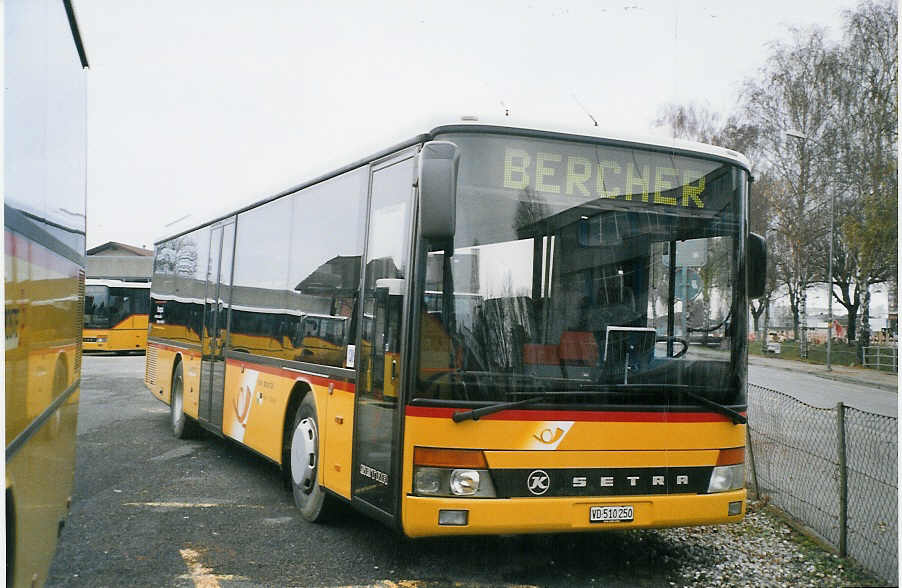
[[255, 408], [129, 335], [43, 332], [570, 440], [558, 515], [158, 374]]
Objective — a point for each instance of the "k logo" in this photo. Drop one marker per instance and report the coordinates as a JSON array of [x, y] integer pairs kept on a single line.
[[538, 482]]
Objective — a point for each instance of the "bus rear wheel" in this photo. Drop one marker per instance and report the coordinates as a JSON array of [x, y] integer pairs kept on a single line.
[[310, 498], [181, 425]]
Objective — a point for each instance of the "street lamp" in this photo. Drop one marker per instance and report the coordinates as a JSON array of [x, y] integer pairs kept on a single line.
[[804, 137]]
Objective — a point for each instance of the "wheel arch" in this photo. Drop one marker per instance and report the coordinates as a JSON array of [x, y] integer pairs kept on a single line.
[[298, 392], [176, 362]]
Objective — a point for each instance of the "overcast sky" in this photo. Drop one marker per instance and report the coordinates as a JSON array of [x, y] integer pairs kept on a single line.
[[197, 108]]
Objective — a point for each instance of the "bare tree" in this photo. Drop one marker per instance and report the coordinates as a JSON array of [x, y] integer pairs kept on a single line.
[[866, 121], [792, 93]]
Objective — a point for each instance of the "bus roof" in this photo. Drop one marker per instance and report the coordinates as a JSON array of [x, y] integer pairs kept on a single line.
[[116, 283], [507, 126]]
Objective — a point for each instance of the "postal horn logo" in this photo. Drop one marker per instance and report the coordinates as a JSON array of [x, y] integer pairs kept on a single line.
[[538, 482], [548, 437]]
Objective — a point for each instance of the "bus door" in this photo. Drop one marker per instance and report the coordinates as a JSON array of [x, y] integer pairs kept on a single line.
[[375, 481], [217, 299]]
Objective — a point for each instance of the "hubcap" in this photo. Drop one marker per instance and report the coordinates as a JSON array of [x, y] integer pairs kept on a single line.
[[303, 455]]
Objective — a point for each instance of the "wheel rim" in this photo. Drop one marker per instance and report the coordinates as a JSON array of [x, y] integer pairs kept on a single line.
[[303, 455], [177, 403]]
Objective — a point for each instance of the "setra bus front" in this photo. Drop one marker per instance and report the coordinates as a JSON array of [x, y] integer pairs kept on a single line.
[[576, 356]]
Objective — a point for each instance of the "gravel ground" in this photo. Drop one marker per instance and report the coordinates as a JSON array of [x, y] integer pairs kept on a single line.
[[764, 550]]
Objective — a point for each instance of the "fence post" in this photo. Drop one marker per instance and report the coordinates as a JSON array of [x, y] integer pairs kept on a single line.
[[843, 476], [748, 442]]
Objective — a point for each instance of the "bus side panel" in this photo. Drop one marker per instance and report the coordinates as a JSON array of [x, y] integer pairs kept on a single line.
[[41, 500], [160, 361], [338, 439], [158, 372], [43, 321], [255, 404], [191, 390]]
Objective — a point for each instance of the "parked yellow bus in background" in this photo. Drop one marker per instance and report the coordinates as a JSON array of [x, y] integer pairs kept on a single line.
[[116, 313], [44, 262], [504, 326]]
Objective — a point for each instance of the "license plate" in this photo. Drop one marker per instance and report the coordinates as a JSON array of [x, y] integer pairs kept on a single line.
[[610, 514]]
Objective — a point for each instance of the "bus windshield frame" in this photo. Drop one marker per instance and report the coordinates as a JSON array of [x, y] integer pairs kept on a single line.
[[559, 281]]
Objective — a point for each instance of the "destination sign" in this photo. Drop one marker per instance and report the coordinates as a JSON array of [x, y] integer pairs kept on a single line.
[[570, 173], [562, 173]]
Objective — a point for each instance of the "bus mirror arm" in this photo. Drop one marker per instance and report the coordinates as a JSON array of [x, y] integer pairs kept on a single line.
[[437, 181]]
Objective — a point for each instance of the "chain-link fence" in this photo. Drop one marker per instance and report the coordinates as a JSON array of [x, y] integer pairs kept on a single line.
[[835, 470], [882, 358]]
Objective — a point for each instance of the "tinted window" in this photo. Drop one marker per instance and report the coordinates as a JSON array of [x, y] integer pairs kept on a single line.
[[259, 295], [297, 270], [324, 276], [179, 273]]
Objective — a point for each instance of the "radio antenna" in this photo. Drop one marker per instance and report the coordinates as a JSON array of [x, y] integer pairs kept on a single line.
[[586, 110]]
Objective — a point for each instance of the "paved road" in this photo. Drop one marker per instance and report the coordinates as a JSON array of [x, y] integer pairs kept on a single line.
[[150, 510], [813, 384]]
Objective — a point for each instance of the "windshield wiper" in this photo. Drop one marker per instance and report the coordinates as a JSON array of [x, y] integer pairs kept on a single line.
[[724, 410], [476, 413]]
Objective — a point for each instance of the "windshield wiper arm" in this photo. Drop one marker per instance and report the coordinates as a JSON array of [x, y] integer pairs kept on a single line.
[[724, 410], [476, 413]]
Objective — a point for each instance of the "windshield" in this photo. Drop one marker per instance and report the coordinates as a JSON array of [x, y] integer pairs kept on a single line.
[[105, 307], [594, 273]]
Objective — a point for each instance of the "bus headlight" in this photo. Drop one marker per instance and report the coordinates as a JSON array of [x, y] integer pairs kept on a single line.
[[447, 482], [427, 481], [725, 478], [451, 472], [464, 482]]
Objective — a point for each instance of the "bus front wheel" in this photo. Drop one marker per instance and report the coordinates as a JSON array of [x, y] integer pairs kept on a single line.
[[310, 498]]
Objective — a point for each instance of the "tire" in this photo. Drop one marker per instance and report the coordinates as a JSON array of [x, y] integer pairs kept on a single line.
[[181, 424], [310, 498]]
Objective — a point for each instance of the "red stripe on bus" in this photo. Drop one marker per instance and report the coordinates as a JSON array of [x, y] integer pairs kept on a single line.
[[323, 381], [577, 415]]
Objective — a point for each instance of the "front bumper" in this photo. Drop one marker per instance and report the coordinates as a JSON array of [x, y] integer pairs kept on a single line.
[[561, 515]]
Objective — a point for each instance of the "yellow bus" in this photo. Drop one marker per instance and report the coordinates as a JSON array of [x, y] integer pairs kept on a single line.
[[116, 314], [507, 348], [44, 262]]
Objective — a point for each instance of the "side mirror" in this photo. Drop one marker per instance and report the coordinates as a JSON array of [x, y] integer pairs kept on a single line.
[[437, 175], [757, 265]]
